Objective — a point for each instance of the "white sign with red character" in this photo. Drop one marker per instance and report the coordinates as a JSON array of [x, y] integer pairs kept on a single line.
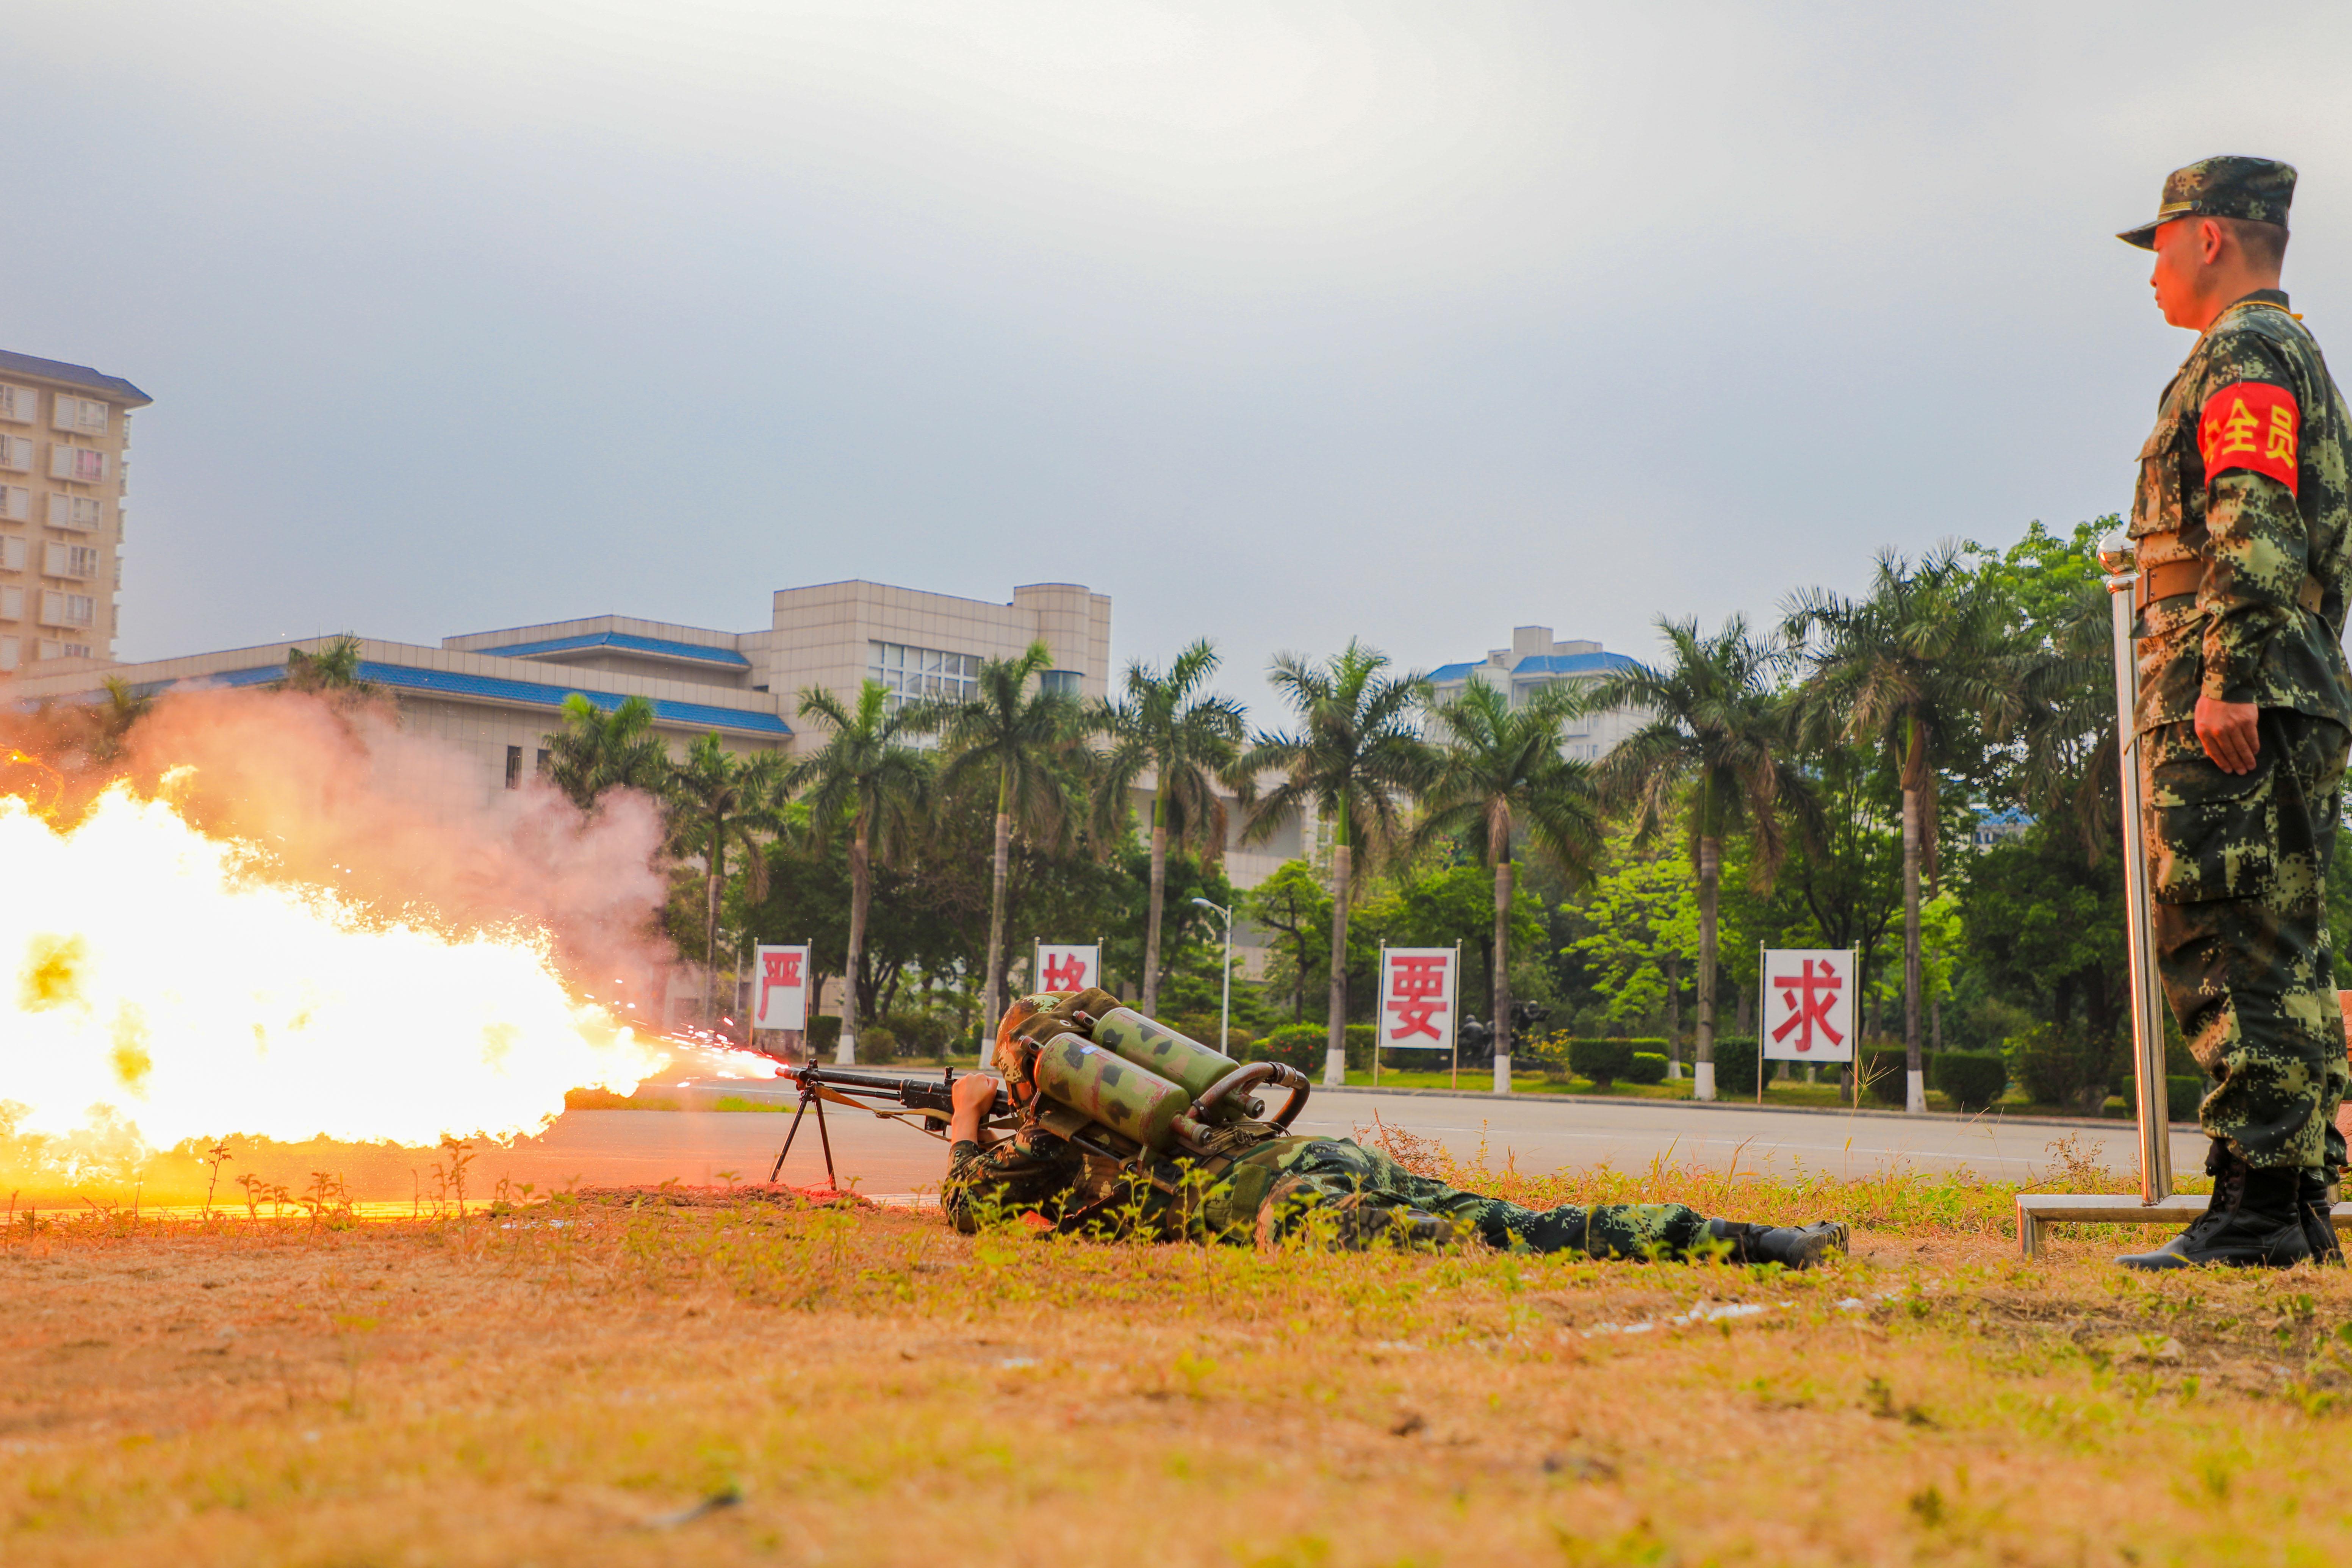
[[780, 987], [1417, 991], [1808, 1005], [1067, 968]]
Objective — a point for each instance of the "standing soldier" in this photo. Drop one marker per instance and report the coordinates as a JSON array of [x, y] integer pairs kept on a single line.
[[2245, 707]]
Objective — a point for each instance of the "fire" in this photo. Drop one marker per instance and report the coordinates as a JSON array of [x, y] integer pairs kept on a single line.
[[158, 982]]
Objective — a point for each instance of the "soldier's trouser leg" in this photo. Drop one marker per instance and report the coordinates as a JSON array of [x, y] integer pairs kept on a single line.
[[1334, 1179], [2239, 868]]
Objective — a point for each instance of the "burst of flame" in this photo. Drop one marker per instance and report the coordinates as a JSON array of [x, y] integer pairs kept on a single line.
[[156, 979]]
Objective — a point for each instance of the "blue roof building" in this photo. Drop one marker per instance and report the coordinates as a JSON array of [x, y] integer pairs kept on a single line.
[[1533, 661]]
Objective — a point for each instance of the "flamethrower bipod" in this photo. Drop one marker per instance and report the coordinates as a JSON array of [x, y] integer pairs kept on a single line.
[[925, 1102]]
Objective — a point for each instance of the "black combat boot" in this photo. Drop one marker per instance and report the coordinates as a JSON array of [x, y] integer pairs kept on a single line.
[[2255, 1220], [1791, 1246], [2316, 1211]]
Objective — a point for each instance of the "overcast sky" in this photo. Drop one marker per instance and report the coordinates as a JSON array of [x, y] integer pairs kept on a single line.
[[1280, 323]]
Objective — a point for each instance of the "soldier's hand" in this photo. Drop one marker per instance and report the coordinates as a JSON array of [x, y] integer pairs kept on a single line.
[[2229, 732], [974, 1095]]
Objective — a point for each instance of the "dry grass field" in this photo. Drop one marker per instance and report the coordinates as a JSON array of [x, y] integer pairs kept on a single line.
[[752, 1376]]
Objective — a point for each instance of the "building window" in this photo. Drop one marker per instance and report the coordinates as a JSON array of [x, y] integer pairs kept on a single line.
[[77, 650], [1060, 683], [69, 561], [83, 413], [79, 465], [19, 405], [11, 553], [16, 503], [542, 762], [920, 674], [514, 767], [68, 609], [76, 512], [12, 604], [46, 649], [11, 652], [16, 454]]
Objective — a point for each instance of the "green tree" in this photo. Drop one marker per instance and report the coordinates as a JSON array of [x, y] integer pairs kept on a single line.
[[334, 668], [1500, 774], [1189, 743], [113, 718], [1717, 752], [867, 775], [721, 798], [606, 749], [1353, 760], [1924, 667], [1013, 738], [1296, 907], [1643, 913]]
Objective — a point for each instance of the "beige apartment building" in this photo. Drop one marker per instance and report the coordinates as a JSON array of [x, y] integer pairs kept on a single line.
[[65, 430]]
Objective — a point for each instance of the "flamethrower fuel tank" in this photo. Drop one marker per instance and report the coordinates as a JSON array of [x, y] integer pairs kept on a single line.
[[1154, 1046], [1101, 1086]]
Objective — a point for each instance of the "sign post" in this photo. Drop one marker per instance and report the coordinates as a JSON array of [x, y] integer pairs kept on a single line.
[[1063, 966], [1808, 1012], [779, 992], [1417, 1012]]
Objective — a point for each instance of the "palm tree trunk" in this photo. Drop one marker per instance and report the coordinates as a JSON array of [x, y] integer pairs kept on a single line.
[[991, 995], [861, 893], [1500, 991], [1151, 910], [1710, 880], [1915, 1092], [710, 860], [1335, 1044]]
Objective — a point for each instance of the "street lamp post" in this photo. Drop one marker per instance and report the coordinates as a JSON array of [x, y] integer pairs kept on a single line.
[[1225, 1006]]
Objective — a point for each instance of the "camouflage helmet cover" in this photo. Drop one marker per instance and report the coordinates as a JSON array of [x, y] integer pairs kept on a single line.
[[1038, 1017], [2259, 190]]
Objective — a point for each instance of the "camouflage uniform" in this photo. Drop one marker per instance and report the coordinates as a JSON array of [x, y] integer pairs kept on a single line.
[[1268, 1187], [2249, 475]]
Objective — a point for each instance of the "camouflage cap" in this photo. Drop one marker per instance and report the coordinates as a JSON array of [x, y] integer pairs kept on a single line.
[[2256, 189]]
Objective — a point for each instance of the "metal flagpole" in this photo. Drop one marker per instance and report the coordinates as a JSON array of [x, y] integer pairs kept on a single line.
[[1760, 1010], [1453, 1019], [1380, 1009], [2120, 557]]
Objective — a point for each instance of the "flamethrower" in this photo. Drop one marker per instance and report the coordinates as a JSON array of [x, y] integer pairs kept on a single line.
[[1121, 1086]]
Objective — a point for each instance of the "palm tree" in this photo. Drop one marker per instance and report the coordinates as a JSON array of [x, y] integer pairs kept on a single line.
[[1015, 737], [1501, 772], [1912, 667], [112, 718], [866, 772], [1354, 761], [333, 671], [1718, 746], [1191, 744], [719, 797], [598, 750]]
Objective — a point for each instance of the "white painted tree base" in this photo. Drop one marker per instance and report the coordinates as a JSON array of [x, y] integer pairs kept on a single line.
[[1703, 1080], [1335, 1069], [1502, 1075], [1915, 1093], [845, 1054]]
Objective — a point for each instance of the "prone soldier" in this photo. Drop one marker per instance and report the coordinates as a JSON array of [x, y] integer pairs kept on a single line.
[[2245, 704], [1246, 1181]]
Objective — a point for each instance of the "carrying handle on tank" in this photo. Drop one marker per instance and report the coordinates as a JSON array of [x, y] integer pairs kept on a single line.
[[1280, 1074]]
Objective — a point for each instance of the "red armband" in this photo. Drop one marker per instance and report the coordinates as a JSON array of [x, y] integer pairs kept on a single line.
[[2251, 424]]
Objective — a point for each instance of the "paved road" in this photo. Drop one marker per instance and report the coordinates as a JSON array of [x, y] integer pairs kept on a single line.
[[606, 1148]]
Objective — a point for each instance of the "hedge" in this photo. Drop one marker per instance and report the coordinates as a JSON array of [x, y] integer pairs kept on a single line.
[[1296, 1045], [1648, 1067], [1886, 1074], [1735, 1066], [1973, 1080], [823, 1034], [1602, 1061]]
